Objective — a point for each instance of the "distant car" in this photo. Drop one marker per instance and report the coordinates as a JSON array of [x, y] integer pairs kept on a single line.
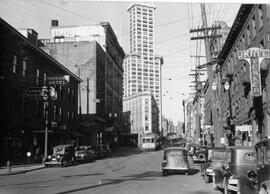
[[258, 180], [84, 154], [215, 159], [239, 160], [107, 150], [99, 152], [63, 155], [175, 159]]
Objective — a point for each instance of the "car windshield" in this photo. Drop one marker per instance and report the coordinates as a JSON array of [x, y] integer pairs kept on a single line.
[[174, 152], [218, 155], [200, 149]]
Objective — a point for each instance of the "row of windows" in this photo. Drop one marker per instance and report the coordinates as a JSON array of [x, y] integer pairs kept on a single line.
[[38, 78]]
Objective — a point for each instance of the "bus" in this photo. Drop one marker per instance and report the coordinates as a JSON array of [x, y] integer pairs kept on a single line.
[[150, 142]]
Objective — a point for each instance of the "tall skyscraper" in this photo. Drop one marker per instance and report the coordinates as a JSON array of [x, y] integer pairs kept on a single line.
[[142, 68]]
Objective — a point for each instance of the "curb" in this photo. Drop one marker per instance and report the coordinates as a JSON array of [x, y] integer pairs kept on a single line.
[[21, 171]]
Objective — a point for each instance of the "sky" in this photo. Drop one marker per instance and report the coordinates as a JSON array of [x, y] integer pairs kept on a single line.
[[173, 21]]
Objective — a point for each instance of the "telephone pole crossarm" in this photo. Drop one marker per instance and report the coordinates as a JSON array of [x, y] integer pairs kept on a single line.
[[203, 37]]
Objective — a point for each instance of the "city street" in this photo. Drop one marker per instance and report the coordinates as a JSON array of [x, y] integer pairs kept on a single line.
[[128, 171]]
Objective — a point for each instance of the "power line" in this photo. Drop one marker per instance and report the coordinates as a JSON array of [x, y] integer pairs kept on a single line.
[[72, 12], [49, 10]]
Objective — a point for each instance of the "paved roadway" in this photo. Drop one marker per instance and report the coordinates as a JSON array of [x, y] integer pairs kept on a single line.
[[128, 172]]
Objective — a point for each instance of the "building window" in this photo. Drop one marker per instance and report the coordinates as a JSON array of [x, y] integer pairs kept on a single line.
[[248, 36], [146, 108], [60, 114], [146, 117], [253, 23], [37, 78], [44, 78], [261, 45], [24, 68], [14, 64], [54, 112], [260, 13]]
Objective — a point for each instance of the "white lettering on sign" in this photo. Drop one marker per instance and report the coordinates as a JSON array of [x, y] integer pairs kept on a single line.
[[254, 53], [254, 57], [58, 80]]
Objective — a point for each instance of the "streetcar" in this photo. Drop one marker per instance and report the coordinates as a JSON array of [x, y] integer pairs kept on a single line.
[[150, 142]]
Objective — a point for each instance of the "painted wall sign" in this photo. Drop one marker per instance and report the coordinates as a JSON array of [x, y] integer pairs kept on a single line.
[[254, 57]]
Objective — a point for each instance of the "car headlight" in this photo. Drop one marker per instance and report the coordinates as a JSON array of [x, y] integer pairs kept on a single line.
[[49, 157], [58, 156], [233, 177]]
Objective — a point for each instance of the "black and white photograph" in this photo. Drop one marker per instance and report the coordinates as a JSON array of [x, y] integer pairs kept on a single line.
[[134, 97]]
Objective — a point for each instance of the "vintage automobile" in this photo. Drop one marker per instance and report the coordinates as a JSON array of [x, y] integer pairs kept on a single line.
[[63, 155], [216, 158], [200, 154], [258, 181], [239, 159], [107, 150], [190, 147], [175, 159], [99, 152], [84, 154]]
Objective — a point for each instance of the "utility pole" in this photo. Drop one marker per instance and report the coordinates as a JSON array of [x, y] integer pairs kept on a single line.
[[206, 33]]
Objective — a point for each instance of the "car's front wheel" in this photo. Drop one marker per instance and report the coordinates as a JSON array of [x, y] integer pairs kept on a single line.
[[164, 173], [206, 179], [64, 163]]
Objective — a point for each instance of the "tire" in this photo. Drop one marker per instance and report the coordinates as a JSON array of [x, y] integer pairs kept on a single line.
[[225, 190], [187, 173], [214, 184], [63, 163], [206, 179], [164, 173]]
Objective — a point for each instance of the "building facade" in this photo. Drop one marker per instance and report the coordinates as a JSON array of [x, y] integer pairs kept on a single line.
[[248, 114], [94, 54], [212, 119], [25, 71], [142, 68], [144, 113]]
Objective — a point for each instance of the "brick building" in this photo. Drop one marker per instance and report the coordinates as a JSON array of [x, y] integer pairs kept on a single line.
[[22, 119], [94, 54], [245, 112]]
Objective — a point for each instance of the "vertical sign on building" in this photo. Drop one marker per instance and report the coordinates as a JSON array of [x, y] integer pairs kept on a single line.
[[254, 57]]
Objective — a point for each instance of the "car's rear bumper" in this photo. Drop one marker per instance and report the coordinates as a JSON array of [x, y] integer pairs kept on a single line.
[[175, 168], [232, 184]]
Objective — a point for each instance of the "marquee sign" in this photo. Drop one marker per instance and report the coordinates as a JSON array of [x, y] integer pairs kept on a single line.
[[58, 80], [254, 57]]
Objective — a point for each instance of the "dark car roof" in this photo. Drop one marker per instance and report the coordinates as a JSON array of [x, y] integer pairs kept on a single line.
[[262, 142], [175, 148], [217, 148], [240, 147], [67, 145]]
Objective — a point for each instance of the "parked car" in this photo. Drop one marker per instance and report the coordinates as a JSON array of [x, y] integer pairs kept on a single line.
[[200, 154], [84, 154], [63, 155], [107, 150], [215, 159], [175, 159], [99, 152], [258, 181], [239, 160]]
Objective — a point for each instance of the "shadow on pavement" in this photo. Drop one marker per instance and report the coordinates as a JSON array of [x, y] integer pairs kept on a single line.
[[146, 176], [82, 175], [126, 151]]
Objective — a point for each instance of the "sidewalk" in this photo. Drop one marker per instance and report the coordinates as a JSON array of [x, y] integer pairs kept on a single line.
[[20, 169]]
